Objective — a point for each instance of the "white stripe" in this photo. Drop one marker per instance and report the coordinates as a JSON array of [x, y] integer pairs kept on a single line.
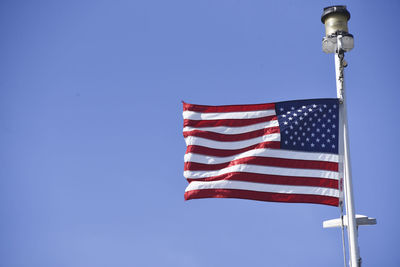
[[234, 130], [194, 140], [260, 187], [192, 115], [263, 170], [263, 152]]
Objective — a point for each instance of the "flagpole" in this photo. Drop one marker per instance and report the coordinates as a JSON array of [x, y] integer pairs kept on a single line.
[[352, 229], [339, 41]]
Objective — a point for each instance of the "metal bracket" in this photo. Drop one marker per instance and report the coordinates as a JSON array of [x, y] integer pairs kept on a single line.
[[360, 220]]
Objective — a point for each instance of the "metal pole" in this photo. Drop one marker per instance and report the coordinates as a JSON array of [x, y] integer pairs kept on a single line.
[[352, 230]]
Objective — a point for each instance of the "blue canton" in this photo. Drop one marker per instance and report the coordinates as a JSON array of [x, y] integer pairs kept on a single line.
[[309, 125]]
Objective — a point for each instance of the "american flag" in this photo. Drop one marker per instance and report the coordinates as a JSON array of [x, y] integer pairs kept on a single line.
[[281, 152]]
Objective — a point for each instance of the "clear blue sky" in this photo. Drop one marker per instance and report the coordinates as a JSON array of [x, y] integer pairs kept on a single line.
[[91, 146]]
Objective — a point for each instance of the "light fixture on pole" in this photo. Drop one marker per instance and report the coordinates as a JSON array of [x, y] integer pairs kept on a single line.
[[338, 40], [335, 19]]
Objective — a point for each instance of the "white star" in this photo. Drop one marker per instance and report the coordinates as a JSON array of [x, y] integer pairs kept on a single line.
[[323, 125], [329, 120], [330, 110], [286, 142], [288, 112], [285, 122], [312, 134], [328, 140], [305, 123], [310, 119], [292, 108], [323, 145], [302, 144], [324, 115], [317, 140], [290, 118], [299, 110], [300, 128], [324, 105], [319, 120], [305, 113], [323, 135], [334, 106], [328, 130], [312, 144], [291, 137], [283, 116], [295, 133], [307, 139], [334, 126], [333, 146], [291, 127], [301, 118], [286, 132], [281, 109], [320, 109], [310, 109], [294, 143], [313, 125], [299, 138], [294, 114], [304, 134], [333, 116], [303, 107], [308, 129], [296, 122], [318, 130], [314, 106], [333, 136], [315, 114]]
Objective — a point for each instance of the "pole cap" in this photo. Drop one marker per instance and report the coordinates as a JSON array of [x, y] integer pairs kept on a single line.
[[334, 9]]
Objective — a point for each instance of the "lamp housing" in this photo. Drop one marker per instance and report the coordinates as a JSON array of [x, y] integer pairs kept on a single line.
[[335, 19]]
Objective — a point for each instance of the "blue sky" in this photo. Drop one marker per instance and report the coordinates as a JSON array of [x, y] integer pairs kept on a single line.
[[91, 146]]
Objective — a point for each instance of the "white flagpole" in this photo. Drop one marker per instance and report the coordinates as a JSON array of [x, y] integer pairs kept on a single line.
[[352, 229], [338, 41]]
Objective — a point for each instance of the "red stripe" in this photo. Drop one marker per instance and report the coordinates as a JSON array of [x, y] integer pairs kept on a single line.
[[265, 161], [202, 150], [262, 196], [231, 137], [227, 122], [227, 108], [273, 179]]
